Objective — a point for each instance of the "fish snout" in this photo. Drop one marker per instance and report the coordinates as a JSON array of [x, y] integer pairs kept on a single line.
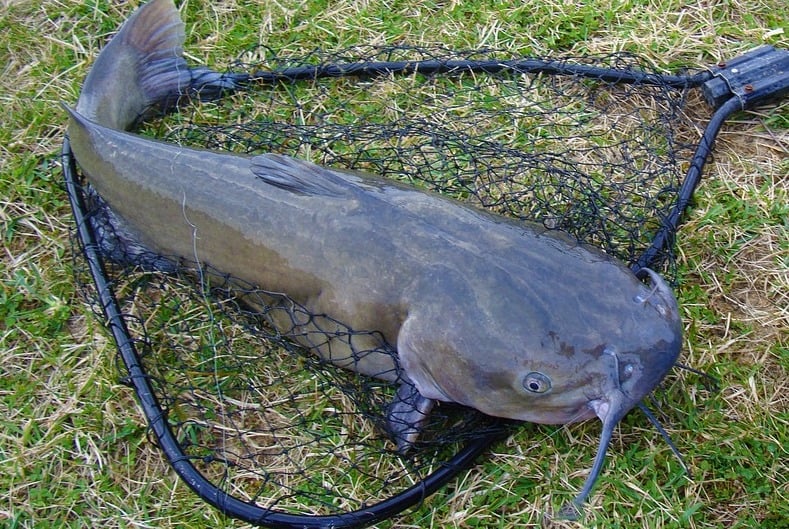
[[635, 373], [644, 362]]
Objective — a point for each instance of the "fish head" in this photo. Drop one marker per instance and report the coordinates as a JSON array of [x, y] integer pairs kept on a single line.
[[558, 366]]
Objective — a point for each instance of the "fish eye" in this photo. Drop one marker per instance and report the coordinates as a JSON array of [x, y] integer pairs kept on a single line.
[[535, 382]]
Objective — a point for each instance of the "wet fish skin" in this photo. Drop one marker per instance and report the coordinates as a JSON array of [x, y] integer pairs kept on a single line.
[[503, 316]]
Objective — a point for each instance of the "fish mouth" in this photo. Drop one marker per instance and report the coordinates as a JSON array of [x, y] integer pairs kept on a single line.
[[611, 409], [562, 415], [661, 297]]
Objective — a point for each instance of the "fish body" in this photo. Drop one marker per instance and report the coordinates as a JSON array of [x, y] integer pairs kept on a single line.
[[506, 317]]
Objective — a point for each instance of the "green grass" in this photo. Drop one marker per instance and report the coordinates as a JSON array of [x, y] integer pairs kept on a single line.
[[74, 451]]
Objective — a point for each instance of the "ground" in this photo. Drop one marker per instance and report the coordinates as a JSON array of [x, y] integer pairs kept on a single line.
[[74, 450]]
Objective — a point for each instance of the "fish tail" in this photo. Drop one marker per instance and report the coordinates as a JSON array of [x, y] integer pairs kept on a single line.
[[142, 69]]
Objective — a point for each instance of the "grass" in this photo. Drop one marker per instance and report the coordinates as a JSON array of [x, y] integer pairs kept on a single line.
[[74, 451]]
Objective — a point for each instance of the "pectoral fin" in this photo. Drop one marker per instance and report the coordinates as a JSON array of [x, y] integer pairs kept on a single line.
[[406, 415]]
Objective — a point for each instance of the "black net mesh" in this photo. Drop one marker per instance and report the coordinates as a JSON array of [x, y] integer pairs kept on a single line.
[[268, 422], [594, 157]]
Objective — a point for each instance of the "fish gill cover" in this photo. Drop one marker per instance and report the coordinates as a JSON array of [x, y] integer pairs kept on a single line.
[[271, 424]]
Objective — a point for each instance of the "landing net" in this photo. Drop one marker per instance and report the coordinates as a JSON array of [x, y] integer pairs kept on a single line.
[[595, 146]]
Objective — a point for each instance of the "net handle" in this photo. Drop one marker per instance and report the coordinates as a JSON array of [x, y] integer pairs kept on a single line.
[[492, 66], [666, 235]]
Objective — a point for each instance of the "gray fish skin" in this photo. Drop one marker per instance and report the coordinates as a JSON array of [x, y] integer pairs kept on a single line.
[[506, 317]]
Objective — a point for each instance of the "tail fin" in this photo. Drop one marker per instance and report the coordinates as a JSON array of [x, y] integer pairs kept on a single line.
[[142, 69], [142, 65]]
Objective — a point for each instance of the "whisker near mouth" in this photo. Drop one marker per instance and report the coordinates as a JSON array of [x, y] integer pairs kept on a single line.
[[665, 436], [711, 383]]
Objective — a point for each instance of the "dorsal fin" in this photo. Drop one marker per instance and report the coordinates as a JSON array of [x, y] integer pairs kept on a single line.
[[300, 176]]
